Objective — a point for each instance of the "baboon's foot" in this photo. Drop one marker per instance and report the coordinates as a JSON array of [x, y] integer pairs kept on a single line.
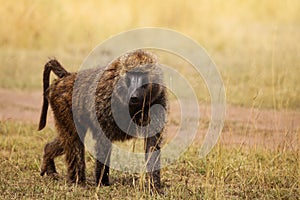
[[104, 182], [79, 182], [49, 169], [52, 174]]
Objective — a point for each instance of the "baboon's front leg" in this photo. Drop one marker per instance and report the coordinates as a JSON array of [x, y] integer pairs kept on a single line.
[[51, 151], [152, 145], [101, 174], [102, 164]]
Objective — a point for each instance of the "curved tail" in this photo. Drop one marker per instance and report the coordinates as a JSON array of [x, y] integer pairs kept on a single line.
[[56, 67]]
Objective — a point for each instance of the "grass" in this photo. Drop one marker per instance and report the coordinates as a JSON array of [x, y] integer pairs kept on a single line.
[[226, 173]]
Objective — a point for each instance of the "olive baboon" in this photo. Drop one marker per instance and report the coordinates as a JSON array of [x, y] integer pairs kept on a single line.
[[130, 82]]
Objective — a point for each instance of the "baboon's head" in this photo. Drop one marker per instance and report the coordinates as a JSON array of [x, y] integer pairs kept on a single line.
[[143, 85], [140, 86], [140, 79]]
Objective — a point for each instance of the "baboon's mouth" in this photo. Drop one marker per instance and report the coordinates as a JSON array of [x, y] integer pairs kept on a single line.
[[134, 101], [136, 105]]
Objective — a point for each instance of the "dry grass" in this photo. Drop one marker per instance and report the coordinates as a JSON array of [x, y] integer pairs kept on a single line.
[[226, 173]]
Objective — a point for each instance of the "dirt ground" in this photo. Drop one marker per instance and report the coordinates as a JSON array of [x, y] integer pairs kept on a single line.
[[243, 126]]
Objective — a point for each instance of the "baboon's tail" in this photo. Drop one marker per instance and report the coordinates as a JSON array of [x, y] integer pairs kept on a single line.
[[55, 66]]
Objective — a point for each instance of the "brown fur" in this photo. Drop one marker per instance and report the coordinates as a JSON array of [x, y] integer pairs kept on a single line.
[[67, 92]]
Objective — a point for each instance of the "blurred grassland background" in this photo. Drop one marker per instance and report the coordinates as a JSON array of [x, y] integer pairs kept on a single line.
[[255, 44], [256, 47]]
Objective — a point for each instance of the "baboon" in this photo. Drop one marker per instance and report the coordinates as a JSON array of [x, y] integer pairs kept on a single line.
[[84, 100]]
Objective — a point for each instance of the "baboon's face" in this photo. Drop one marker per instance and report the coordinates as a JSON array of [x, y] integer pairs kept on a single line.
[[138, 87]]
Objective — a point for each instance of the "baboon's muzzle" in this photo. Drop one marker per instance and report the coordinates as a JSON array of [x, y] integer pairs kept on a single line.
[[137, 97]]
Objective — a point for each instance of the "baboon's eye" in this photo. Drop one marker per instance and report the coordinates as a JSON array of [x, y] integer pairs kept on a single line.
[[145, 80]]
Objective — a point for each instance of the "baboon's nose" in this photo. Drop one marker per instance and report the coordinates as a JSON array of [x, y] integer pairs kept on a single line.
[[134, 100]]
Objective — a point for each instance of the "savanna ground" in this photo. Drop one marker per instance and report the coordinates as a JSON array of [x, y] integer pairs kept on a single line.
[[255, 45]]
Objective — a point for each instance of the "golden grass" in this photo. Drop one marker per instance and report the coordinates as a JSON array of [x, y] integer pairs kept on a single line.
[[226, 173]]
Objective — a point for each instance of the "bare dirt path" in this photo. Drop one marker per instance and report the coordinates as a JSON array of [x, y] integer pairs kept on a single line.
[[20, 106], [243, 126]]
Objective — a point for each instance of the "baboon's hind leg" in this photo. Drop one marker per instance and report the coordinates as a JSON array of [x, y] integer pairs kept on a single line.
[[75, 160], [51, 151]]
